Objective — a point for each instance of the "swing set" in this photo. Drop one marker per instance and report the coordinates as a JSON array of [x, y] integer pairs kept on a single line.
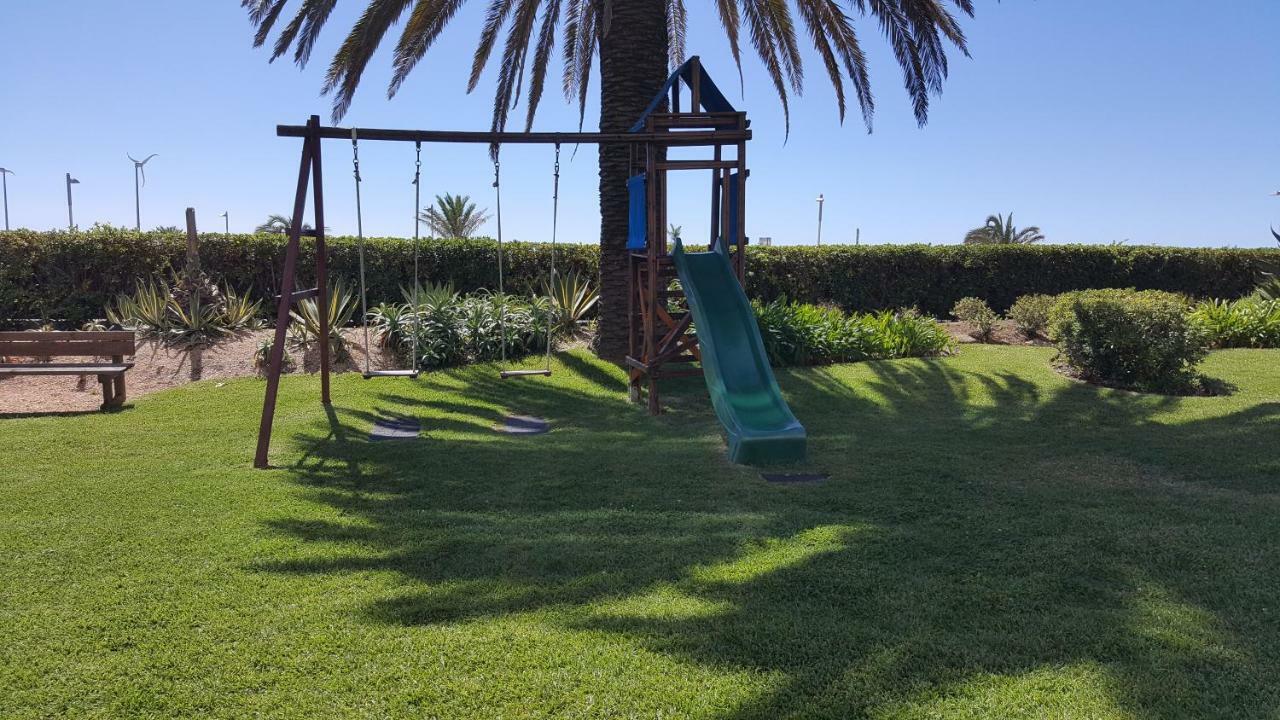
[[661, 319]]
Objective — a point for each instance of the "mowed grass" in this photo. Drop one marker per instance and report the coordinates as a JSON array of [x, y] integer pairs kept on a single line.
[[993, 541]]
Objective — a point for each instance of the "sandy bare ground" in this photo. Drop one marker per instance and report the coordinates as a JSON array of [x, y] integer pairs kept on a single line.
[[157, 367]]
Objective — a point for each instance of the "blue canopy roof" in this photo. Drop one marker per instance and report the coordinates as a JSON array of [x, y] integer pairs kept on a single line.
[[712, 99]]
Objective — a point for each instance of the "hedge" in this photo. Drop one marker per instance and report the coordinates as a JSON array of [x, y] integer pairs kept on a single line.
[[70, 277]]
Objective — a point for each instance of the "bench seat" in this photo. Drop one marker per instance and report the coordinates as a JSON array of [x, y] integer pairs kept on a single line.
[[64, 368], [37, 345]]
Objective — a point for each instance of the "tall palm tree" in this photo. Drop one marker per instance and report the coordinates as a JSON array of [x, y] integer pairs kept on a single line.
[[280, 225], [998, 230], [453, 216], [636, 43]]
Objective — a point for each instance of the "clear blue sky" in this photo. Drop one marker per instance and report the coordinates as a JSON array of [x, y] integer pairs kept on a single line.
[[1151, 121]]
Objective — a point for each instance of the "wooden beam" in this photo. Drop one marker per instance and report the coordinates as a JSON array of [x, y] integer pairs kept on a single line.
[[709, 137]]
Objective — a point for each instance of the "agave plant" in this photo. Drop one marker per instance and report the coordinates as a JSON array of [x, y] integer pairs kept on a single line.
[[146, 310], [572, 297], [239, 312], [304, 325], [430, 294], [393, 324], [195, 321]]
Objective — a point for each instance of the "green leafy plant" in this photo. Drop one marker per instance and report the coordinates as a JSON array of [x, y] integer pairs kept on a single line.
[[572, 297], [304, 325], [262, 357], [802, 334], [978, 314], [240, 312], [1247, 323], [1129, 339], [1030, 313]]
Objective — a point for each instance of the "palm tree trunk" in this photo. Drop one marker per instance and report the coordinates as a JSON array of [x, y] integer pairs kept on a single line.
[[633, 66]]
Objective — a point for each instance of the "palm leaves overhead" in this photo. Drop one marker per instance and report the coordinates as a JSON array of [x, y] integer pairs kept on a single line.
[[998, 230], [453, 216], [917, 30]]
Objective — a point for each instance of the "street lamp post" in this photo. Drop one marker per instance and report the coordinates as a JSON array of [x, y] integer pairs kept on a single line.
[[820, 201], [137, 201], [4, 180], [71, 220]]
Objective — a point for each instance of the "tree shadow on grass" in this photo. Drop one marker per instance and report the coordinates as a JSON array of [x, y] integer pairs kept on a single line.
[[982, 533]]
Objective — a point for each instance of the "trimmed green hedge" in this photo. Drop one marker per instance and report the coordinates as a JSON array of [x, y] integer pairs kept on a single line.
[[71, 277], [933, 277]]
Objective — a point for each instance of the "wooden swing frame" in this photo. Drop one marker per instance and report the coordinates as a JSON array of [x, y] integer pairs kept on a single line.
[[658, 338]]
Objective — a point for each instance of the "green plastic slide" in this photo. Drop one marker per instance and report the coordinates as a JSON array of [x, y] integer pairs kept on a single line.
[[759, 423]]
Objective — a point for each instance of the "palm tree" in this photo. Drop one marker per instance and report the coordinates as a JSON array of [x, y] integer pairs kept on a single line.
[[637, 42], [280, 225], [453, 216], [1000, 231]]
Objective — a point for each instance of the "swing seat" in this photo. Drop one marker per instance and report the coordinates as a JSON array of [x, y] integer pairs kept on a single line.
[[391, 373], [522, 373]]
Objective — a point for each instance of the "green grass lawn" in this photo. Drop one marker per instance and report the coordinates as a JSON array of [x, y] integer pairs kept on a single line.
[[993, 542]]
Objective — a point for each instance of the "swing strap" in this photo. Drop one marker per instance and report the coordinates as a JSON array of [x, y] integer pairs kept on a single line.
[[364, 301], [502, 291], [555, 218], [417, 203]]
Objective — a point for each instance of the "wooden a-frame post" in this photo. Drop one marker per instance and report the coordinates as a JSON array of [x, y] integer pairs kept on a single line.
[[309, 172]]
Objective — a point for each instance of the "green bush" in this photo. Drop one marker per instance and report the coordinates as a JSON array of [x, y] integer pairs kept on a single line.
[[933, 277], [452, 329], [72, 276], [977, 313], [1248, 323], [801, 334], [1129, 339], [1031, 313]]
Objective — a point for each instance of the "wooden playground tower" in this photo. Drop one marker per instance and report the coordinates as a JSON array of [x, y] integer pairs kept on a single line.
[[659, 317]]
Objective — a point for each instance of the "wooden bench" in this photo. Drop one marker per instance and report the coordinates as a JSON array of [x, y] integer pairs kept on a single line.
[[34, 345]]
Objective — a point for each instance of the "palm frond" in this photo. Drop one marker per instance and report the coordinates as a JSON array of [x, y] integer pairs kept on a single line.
[[494, 18], [731, 22], [426, 22], [263, 15], [348, 64], [677, 24], [541, 59], [763, 39]]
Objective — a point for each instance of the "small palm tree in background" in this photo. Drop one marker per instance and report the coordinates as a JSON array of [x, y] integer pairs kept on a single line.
[[998, 230], [280, 225], [453, 216]]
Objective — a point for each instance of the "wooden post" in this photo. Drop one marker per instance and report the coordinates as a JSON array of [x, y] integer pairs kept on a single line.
[[322, 265], [276, 362], [193, 245]]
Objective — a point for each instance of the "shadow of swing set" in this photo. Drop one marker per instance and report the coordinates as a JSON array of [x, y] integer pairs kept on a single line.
[[726, 347]]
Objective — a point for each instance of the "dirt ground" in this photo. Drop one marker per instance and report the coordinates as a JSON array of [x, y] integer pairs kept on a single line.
[[157, 367], [1005, 333]]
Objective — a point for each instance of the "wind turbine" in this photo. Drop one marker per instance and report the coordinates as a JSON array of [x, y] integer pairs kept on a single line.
[[137, 202], [4, 180], [226, 223]]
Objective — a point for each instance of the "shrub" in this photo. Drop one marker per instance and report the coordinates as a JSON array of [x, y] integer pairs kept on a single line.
[[1129, 339], [72, 276], [1247, 323], [977, 313], [452, 329], [1031, 313], [801, 334]]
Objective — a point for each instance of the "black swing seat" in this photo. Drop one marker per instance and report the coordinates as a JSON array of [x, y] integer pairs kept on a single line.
[[522, 373], [413, 374]]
